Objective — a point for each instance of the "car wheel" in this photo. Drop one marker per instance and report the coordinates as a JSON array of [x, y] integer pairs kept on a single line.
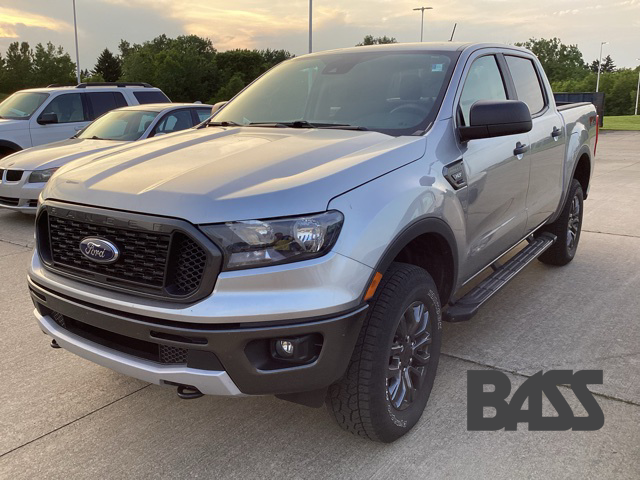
[[566, 228], [393, 366]]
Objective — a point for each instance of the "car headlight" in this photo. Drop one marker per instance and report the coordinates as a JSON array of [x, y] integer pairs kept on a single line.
[[41, 176], [256, 243]]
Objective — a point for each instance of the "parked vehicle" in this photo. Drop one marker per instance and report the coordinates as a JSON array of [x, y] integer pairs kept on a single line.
[[311, 237], [37, 116], [24, 174]]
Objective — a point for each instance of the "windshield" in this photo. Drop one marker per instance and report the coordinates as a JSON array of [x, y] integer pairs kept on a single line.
[[21, 105], [393, 92], [124, 125]]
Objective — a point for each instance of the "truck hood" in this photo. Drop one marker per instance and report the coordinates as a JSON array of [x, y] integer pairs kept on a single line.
[[6, 124], [55, 154], [215, 174]]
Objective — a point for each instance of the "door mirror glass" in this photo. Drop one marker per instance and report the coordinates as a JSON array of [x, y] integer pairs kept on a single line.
[[48, 118], [496, 118]]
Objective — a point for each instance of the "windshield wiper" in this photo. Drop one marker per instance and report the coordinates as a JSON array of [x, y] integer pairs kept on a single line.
[[220, 124], [305, 124]]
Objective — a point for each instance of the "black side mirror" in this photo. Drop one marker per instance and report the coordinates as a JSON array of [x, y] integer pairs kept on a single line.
[[218, 106], [496, 118], [48, 118]]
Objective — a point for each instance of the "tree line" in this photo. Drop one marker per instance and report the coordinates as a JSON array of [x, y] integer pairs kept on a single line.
[[186, 68], [189, 68]]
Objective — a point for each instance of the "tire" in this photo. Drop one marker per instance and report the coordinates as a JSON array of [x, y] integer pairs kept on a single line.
[[365, 401], [566, 228]]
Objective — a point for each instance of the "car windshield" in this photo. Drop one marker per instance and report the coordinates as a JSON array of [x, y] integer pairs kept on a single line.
[[392, 92], [123, 125], [21, 105]]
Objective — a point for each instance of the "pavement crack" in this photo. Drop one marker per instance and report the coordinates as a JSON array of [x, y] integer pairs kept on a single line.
[[612, 234], [524, 375], [73, 421], [17, 244]]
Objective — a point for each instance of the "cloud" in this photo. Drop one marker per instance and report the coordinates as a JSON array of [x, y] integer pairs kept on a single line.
[[11, 18]]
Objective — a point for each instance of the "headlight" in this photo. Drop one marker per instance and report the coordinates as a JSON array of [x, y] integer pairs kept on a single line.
[[41, 176], [257, 243]]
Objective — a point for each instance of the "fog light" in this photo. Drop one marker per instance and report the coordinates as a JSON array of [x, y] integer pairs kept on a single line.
[[284, 348]]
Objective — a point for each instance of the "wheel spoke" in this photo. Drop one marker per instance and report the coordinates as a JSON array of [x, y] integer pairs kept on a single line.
[[417, 375], [421, 358], [409, 388], [399, 393]]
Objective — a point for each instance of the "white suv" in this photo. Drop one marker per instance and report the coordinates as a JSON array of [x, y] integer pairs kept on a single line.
[[43, 115]]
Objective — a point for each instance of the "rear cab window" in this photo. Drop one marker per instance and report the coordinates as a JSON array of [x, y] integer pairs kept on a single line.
[[527, 83], [154, 96]]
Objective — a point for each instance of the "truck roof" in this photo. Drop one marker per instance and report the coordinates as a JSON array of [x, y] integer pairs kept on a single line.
[[424, 46]]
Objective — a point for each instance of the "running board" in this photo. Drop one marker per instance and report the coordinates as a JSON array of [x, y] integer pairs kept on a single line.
[[467, 306]]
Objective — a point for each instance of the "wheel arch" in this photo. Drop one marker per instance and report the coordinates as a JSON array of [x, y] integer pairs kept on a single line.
[[428, 243], [7, 148]]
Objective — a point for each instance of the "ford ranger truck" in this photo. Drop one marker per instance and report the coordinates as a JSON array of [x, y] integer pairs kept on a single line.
[[308, 240]]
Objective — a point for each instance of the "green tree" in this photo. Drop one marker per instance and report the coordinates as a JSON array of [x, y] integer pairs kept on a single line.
[[371, 40], [607, 65], [51, 65], [183, 67], [560, 61], [227, 92], [108, 66], [18, 67]]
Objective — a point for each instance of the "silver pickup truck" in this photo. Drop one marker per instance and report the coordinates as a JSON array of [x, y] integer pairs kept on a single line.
[[309, 239]]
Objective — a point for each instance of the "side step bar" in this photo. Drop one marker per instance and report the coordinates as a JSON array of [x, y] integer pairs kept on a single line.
[[467, 306]]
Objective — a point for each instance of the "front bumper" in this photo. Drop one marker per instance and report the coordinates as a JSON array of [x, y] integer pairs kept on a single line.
[[230, 359], [20, 196]]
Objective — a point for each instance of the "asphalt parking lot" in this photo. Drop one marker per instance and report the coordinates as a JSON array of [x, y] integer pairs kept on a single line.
[[64, 417]]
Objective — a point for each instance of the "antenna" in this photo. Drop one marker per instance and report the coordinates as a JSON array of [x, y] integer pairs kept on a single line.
[[453, 32]]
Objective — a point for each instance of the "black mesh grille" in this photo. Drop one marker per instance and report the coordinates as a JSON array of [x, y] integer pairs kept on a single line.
[[143, 255], [167, 264], [188, 262], [14, 175], [12, 202], [173, 355]]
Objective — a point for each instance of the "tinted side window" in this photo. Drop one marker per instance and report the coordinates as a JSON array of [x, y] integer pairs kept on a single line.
[[203, 113], [527, 83], [101, 102], [174, 122], [153, 96], [120, 101], [68, 107], [484, 82]]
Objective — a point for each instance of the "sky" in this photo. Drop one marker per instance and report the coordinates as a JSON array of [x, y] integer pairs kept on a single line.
[[283, 24]]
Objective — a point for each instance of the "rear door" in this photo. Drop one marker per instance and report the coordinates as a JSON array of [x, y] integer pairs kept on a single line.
[[72, 112], [496, 177], [102, 102], [547, 139]]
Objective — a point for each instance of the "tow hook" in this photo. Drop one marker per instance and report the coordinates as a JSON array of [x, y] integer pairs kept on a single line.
[[187, 392], [54, 344]]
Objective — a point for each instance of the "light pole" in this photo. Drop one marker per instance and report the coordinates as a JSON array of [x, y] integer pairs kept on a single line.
[[75, 27], [422, 9], [638, 90], [600, 65], [310, 26]]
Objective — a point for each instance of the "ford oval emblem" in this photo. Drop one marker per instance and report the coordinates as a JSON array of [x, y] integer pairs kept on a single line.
[[99, 250]]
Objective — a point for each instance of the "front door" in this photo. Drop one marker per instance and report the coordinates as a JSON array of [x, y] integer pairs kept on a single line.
[[72, 117], [497, 178]]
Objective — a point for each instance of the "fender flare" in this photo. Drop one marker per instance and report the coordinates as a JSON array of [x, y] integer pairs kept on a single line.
[[584, 150], [413, 231]]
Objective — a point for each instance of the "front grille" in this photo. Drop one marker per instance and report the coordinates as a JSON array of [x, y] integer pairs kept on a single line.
[[14, 175], [33, 203], [12, 202], [170, 265]]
